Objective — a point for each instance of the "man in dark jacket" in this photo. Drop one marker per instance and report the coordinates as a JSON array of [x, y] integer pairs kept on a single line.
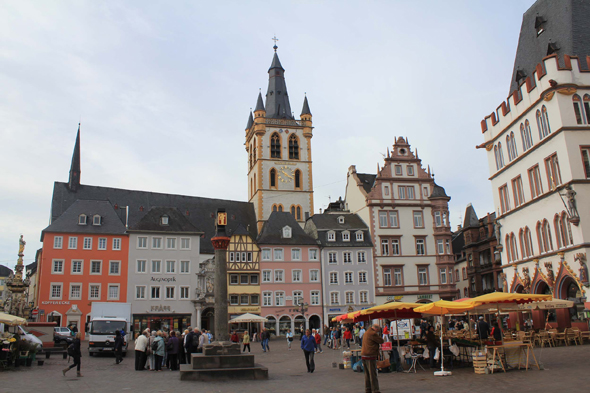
[[483, 329], [191, 344], [118, 347], [369, 354], [308, 344], [173, 349], [77, 354]]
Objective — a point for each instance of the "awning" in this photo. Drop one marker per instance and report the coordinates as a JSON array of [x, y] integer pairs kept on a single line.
[[11, 320]]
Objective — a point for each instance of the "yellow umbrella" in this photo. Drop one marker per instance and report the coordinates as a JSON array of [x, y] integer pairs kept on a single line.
[[393, 310], [444, 307], [504, 297], [12, 320]]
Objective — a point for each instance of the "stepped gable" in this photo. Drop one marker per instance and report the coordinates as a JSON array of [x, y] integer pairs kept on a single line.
[[67, 221], [549, 76], [272, 231], [152, 221], [201, 212]]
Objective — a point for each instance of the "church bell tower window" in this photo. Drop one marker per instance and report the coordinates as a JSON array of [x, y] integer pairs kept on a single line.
[[293, 147], [275, 146]]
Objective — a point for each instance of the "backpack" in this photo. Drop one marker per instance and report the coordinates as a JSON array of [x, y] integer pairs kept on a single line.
[[195, 340], [71, 349], [155, 346]]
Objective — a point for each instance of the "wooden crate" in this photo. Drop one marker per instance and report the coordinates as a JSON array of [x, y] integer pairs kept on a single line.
[[480, 364]]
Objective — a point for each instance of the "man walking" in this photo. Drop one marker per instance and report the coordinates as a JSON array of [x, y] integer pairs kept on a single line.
[[140, 350], [369, 355], [308, 344]]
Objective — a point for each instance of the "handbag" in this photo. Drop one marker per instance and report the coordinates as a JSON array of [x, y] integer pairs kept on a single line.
[[426, 354], [437, 354], [290, 338]]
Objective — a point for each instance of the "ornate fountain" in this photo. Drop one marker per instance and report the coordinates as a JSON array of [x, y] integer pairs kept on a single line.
[[18, 288]]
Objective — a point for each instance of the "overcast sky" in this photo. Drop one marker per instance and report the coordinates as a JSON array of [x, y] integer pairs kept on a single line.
[[163, 90]]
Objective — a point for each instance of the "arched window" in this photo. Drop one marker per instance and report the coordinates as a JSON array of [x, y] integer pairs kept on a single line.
[[293, 147], [528, 242], [274, 208], [547, 241], [513, 247], [578, 110], [540, 237], [273, 178], [496, 157], [254, 151], [280, 207], [509, 249], [297, 178], [561, 230], [540, 124], [275, 145], [522, 241], [251, 187], [293, 210], [509, 148], [587, 107], [546, 127], [501, 154], [513, 142], [298, 213], [250, 159]]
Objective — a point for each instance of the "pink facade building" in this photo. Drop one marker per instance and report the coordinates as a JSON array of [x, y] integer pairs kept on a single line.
[[290, 276]]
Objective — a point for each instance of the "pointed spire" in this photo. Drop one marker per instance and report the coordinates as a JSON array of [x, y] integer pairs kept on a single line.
[[416, 153], [74, 181], [250, 120], [277, 98], [429, 170], [305, 110], [259, 103], [388, 152]]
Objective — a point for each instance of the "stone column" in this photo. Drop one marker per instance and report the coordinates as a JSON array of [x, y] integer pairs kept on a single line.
[[220, 243], [198, 324]]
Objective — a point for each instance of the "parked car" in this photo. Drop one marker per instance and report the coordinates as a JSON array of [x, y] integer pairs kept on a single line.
[[62, 336]]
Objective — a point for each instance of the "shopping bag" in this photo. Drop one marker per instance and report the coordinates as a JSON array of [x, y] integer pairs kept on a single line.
[[426, 354], [454, 349], [437, 354]]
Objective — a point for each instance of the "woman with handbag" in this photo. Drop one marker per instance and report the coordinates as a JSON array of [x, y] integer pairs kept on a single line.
[[289, 338]]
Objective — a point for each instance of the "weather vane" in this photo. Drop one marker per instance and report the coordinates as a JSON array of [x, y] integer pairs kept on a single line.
[[275, 39]]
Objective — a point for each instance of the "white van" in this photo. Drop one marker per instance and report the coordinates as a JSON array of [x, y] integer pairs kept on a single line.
[[24, 334]]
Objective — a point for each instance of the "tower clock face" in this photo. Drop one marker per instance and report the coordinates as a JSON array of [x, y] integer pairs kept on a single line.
[[286, 174]]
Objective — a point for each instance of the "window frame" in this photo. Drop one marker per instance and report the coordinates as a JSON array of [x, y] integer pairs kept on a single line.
[[59, 285], [92, 261], [113, 285], [420, 216], [96, 285], [55, 263], [113, 263], [75, 241], [72, 272], [58, 242]]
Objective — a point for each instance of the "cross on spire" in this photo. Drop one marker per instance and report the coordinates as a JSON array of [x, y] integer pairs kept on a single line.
[[275, 39]]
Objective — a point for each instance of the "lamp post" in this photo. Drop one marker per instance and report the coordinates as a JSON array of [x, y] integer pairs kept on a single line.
[[302, 308]]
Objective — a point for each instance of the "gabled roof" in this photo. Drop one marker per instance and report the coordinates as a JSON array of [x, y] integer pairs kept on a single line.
[[199, 211], [240, 231], [272, 231], [367, 180], [471, 219], [67, 222], [177, 222], [5, 271], [327, 222], [438, 192]]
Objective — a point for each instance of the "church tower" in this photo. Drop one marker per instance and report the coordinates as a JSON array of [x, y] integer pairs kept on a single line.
[[279, 153]]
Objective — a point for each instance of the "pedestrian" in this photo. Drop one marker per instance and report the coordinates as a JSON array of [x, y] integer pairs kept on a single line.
[[483, 329], [165, 361], [159, 351], [188, 348], [76, 354], [369, 355], [318, 342], [336, 338], [265, 337], [140, 348], [289, 338], [308, 345], [118, 347], [497, 333], [357, 330], [326, 334], [203, 340], [423, 328], [361, 335], [173, 350], [302, 333], [431, 344], [74, 329], [150, 353], [246, 341], [234, 337], [181, 352], [347, 337]]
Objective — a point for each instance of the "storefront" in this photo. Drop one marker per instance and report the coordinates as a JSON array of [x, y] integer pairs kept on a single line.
[[163, 322]]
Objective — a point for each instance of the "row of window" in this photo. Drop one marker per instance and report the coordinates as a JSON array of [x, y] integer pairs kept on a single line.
[[394, 276], [158, 266], [277, 254], [563, 235], [58, 266], [96, 220], [361, 257], [536, 185], [157, 243], [391, 246], [348, 278], [349, 297], [86, 244], [526, 137], [398, 170], [345, 236], [94, 291], [295, 209], [243, 279], [296, 275], [240, 256], [390, 219], [157, 292], [275, 147], [278, 298], [244, 300], [404, 192]]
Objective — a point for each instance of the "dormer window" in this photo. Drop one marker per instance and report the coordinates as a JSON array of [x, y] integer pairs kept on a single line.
[[346, 236], [340, 220], [96, 220], [359, 236], [552, 48], [331, 236], [82, 219], [287, 232], [164, 220], [539, 25]]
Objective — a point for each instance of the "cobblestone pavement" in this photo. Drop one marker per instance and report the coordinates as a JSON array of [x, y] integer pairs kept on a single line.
[[564, 368]]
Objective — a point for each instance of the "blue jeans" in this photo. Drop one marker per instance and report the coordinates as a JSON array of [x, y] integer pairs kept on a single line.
[[265, 346]]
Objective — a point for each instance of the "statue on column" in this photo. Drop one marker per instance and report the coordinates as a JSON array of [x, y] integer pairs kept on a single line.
[[526, 282], [550, 274], [504, 282]]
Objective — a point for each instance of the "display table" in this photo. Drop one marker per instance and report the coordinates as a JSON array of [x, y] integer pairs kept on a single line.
[[524, 350]]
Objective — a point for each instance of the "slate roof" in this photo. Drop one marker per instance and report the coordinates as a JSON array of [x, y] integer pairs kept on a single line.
[[259, 104], [566, 24], [250, 121], [320, 224], [367, 181], [239, 231], [272, 231], [201, 211], [67, 222], [5, 271], [471, 219], [438, 192], [177, 222], [277, 99], [305, 110], [31, 267]]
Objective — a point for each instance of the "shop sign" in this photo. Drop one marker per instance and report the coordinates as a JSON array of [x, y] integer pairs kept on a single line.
[[55, 302], [163, 279], [396, 298], [425, 296], [249, 309], [334, 309], [160, 308]]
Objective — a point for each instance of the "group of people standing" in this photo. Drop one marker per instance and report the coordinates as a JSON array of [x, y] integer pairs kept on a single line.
[[157, 349]]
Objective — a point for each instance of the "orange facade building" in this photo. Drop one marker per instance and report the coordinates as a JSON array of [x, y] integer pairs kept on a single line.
[[84, 260]]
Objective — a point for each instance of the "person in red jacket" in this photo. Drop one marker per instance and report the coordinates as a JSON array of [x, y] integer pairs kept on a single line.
[[318, 341], [385, 334], [347, 336]]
